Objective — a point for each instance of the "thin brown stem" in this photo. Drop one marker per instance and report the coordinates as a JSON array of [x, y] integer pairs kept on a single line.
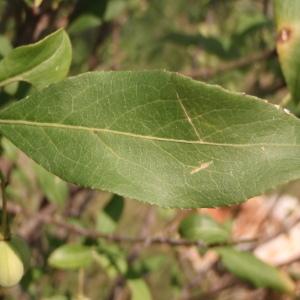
[[81, 276], [207, 73], [154, 240], [4, 222]]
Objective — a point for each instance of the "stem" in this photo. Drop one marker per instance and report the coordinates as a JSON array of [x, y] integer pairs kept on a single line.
[[81, 282], [5, 225]]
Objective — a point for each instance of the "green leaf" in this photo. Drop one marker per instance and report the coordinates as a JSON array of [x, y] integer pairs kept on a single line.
[[204, 228], [115, 8], [111, 258], [149, 264], [96, 8], [139, 289], [71, 256], [157, 137], [107, 219], [287, 14], [83, 23], [40, 64], [5, 46], [55, 189], [248, 267], [56, 298], [112, 267]]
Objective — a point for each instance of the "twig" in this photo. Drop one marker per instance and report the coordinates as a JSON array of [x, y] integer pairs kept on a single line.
[[46, 216], [34, 224], [117, 289], [283, 231], [289, 261], [265, 7], [4, 224], [207, 73], [155, 240]]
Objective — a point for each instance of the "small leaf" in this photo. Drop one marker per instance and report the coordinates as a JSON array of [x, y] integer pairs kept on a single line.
[[5, 46], [111, 258], [149, 264], [55, 189], [114, 9], [85, 8], [248, 267], [287, 14], [204, 228], [71, 256], [40, 64], [56, 298], [113, 266], [83, 23], [107, 219], [139, 289], [157, 137]]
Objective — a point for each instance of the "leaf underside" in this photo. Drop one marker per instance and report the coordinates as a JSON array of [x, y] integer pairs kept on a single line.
[[157, 137]]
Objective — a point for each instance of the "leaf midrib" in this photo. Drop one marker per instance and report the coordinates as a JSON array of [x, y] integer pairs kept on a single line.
[[134, 135]]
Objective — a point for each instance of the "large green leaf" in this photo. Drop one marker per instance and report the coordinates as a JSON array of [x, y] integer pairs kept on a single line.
[[288, 42], [157, 137], [40, 64], [246, 266]]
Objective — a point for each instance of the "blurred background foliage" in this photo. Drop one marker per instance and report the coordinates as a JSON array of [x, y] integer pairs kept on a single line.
[[191, 36], [231, 43]]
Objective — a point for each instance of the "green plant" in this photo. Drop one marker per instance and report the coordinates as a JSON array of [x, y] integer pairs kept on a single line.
[[155, 136]]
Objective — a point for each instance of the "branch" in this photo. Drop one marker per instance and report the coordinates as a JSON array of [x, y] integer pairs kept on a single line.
[[46, 216], [207, 73], [154, 240], [29, 230], [285, 230]]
